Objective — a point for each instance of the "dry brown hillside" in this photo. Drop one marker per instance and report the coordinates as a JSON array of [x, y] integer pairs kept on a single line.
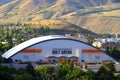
[[98, 24], [62, 27], [100, 16]]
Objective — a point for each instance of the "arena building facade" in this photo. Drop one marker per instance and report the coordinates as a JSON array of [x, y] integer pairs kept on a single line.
[[54, 48]]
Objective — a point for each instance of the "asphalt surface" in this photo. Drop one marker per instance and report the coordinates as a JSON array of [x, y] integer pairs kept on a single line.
[[93, 67]]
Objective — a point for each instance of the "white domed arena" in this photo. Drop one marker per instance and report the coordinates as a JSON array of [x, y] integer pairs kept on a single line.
[[54, 48]]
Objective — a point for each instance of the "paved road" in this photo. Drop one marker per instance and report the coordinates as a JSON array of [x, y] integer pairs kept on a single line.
[[97, 66], [94, 67], [90, 67], [16, 65]]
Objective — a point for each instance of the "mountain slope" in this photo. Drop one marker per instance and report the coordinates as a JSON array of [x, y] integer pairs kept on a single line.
[[62, 27], [98, 24], [80, 12], [2, 2], [33, 10], [102, 19]]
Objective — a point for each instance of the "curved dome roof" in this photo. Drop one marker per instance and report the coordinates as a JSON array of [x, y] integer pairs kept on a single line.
[[30, 42]]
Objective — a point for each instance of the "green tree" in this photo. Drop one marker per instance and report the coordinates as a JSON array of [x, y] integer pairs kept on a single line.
[[117, 77], [0, 58], [5, 76], [106, 71], [45, 72], [90, 75], [10, 42], [76, 73], [20, 71], [6, 47], [6, 73], [90, 39], [30, 69], [19, 41], [62, 71], [24, 76]]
